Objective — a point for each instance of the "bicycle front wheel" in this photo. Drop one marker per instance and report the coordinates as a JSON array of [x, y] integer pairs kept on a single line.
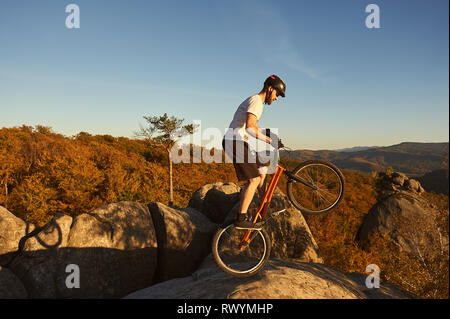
[[241, 253], [328, 192]]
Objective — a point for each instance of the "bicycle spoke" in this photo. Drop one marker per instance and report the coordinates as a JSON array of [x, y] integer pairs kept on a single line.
[[236, 261], [327, 191], [324, 198], [226, 233]]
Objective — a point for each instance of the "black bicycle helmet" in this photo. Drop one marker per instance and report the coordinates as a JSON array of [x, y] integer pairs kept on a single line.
[[277, 83]]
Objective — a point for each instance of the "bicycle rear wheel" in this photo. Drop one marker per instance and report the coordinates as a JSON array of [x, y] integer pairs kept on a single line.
[[328, 180], [241, 258]]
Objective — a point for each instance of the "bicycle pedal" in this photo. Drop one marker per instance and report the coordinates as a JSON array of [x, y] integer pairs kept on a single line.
[[278, 212]]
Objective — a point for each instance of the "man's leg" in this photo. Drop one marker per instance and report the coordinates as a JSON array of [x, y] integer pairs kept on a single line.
[[248, 193], [243, 220], [246, 168], [261, 187]]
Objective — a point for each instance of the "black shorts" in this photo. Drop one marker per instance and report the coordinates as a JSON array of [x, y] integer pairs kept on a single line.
[[245, 162]]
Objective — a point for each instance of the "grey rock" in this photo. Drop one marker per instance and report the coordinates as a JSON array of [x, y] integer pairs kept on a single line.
[[280, 279], [405, 219], [217, 204], [12, 230], [414, 186], [197, 200], [184, 240], [113, 246], [398, 178], [385, 291]]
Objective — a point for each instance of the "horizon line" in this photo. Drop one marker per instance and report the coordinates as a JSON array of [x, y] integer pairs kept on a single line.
[[137, 138]]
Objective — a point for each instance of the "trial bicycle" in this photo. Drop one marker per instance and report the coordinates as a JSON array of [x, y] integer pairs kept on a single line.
[[314, 187]]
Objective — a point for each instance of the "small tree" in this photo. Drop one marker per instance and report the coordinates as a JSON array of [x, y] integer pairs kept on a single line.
[[5, 175], [165, 131]]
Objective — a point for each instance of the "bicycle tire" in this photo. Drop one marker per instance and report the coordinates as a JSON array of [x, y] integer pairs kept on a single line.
[[314, 202], [236, 263]]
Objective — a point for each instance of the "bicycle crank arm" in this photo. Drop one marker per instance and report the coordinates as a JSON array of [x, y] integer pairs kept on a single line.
[[300, 180]]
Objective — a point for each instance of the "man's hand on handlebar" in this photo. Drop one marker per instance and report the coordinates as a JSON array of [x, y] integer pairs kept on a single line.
[[274, 140], [278, 145]]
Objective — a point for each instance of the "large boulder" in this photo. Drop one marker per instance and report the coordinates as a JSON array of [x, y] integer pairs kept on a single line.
[[406, 219], [395, 182], [215, 200], [184, 239], [113, 248], [12, 230], [280, 279], [40, 260]]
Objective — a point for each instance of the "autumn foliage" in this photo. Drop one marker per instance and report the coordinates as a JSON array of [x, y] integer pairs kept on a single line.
[[43, 173]]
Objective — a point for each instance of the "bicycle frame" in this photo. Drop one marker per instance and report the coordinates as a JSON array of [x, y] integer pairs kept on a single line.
[[269, 193], [268, 197], [264, 203]]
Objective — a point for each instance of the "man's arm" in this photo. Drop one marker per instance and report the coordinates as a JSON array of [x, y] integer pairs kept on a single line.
[[254, 130]]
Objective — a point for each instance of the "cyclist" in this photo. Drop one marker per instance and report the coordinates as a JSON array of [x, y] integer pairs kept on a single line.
[[246, 163]]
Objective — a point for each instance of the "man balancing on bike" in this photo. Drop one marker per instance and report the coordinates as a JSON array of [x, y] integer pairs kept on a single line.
[[246, 162]]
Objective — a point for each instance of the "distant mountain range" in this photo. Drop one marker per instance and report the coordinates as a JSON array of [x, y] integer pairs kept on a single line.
[[356, 148], [412, 159]]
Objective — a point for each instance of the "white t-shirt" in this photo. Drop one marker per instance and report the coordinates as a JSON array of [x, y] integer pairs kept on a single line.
[[237, 127]]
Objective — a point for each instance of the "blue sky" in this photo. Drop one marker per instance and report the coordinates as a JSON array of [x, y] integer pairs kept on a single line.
[[347, 85]]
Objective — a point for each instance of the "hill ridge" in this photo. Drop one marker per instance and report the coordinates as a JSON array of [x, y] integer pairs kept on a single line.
[[411, 158]]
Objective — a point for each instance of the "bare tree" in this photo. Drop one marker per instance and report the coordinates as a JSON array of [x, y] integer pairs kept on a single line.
[[165, 131]]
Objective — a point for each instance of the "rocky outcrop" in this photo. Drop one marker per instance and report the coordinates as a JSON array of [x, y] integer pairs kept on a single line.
[[216, 200], [389, 184], [114, 248], [12, 230], [184, 240], [403, 217], [280, 279], [117, 248], [162, 252]]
